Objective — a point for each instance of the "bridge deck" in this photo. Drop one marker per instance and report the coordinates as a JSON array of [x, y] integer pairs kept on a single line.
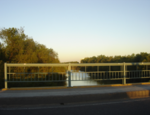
[[25, 98]]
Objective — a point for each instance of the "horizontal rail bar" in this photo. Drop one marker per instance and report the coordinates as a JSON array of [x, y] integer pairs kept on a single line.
[[72, 64], [98, 72], [40, 73], [109, 64], [39, 81], [35, 65]]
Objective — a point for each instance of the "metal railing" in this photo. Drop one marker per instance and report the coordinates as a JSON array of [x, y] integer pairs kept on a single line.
[[73, 72]]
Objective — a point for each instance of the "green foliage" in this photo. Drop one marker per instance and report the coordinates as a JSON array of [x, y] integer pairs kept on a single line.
[[19, 48], [142, 57], [16, 47]]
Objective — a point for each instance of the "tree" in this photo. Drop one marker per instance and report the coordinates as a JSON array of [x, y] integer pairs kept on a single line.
[[17, 47]]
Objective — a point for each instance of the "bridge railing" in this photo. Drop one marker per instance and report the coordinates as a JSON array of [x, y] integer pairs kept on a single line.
[[59, 72]]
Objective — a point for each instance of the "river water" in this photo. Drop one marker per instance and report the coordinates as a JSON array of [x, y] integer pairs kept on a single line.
[[80, 75]]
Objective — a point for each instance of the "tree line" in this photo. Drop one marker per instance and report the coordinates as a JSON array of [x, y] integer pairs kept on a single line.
[[142, 57], [17, 47]]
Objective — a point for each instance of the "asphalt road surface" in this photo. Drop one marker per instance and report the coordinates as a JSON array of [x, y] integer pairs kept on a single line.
[[116, 107]]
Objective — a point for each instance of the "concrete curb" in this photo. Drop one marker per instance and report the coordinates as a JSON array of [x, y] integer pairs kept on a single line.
[[63, 100], [44, 88]]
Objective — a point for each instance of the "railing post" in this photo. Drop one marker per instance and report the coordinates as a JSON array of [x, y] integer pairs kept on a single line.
[[124, 73], [5, 74], [69, 75]]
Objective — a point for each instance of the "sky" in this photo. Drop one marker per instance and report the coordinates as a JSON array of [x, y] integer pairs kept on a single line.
[[76, 29]]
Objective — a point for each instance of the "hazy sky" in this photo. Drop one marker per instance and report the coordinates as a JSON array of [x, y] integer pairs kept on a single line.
[[76, 29]]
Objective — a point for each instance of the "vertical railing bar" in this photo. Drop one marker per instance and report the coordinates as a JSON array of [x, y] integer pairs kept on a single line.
[[52, 73], [146, 73], [42, 76], [31, 76], [106, 74], [59, 75], [9, 73], [85, 73], [73, 72], [45, 74], [27, 74], [79, 75], [38, 73], [20, 77], [75, 76], [5, 72], [109, 73], [93, 75], [124, 73], [69, 75], [15, 75], [24, 73], [103, 75], [82, 76], [48, 73], [98, 72], [34, 77], [33, 73]]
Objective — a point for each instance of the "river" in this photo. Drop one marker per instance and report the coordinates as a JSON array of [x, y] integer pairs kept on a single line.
[[80, 75]]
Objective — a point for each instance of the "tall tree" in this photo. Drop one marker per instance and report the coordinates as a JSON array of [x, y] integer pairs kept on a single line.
[[19, 48], [16, 47]]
